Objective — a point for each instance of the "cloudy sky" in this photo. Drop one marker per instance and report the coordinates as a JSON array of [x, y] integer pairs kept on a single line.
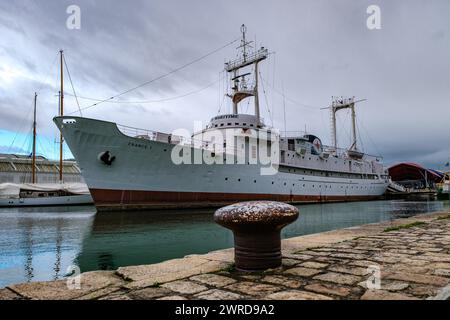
[[320, 48]]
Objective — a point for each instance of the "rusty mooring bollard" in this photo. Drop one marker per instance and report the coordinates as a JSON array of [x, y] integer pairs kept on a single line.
[[256, 226]]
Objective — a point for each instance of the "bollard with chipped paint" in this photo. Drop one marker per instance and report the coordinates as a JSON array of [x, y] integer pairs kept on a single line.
[[256, 226]]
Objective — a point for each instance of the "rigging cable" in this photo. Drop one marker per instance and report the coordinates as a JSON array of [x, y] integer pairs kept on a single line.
[[21, 125], [151, 101], [265, 97], [162, 76], [71, 83]]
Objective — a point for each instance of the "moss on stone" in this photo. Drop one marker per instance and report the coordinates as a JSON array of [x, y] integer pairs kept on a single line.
[[405, 226]]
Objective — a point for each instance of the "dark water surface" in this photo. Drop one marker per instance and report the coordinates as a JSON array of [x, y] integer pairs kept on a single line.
[[42, 243]]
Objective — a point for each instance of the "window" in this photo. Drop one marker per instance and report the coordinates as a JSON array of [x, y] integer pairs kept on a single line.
[[291, 144]]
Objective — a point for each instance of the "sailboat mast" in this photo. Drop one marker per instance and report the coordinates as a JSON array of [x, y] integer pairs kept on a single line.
[[33, 163], [61, 113]]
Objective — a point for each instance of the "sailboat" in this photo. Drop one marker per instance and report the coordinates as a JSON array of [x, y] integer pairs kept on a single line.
[[44, 194]]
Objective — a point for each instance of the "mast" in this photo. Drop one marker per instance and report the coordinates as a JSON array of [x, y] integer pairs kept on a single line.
[[33, 162], [352, 106], [339, 103], [239, 88], [61, 113], [256, 93]]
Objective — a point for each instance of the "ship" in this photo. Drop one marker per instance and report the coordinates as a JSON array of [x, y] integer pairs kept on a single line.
[[31, 181], [443, 188], [235, 157]]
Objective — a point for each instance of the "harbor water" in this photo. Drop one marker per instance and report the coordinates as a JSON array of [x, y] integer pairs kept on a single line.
[[47, 243]]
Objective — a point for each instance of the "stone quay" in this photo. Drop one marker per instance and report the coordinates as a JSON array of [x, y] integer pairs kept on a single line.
[[396, 260]]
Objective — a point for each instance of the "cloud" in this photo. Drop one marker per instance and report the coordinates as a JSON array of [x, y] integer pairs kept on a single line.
[[322, 48]]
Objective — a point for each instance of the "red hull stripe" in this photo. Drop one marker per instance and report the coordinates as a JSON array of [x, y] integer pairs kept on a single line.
[[104, 198]]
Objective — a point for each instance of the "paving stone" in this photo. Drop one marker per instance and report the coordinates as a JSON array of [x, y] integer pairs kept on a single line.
[[7, 294], [407, 268], [297, 256], [349, 256], [297, 295], [316, 253], [253, 289], [328, 289], [423, 291], [167, 271], [184, 286], [394, 285], [251, 277], [314, 265], [337, 278], [290, 262], [213, 279], [102, 282], [118, 295], [433, 258], [172, 298], [284, 281], [418, 278], [385, 295], [149, 293], [364, 263], [216, 294], [442, 272], [415, 262], [302, 272], [357, 271]]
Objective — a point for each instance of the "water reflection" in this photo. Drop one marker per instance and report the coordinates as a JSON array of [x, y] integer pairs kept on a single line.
[[41, 243], [128, 238]]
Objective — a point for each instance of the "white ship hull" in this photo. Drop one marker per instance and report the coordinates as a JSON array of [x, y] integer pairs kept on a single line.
[[143, 175], [47, 201]]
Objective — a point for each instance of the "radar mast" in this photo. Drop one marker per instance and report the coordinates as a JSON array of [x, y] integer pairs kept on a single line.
[[241, 89]]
